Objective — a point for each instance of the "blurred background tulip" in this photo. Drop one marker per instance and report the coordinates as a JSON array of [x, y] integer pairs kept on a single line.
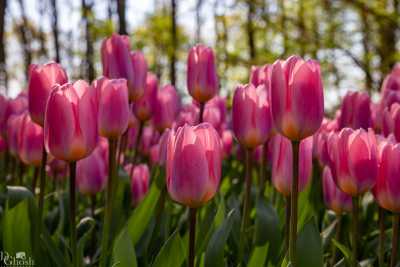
[[355, 111], [334, 198], [139, 66], [140, 181], [166, 108], [143, 107], [30, 141]]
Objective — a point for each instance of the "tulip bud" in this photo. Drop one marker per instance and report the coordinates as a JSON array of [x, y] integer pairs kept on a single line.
[[259, 75], [166, 108], [139, 65], [140, 181], [91, 173], [163, 143], [297, 100], [334, 198], [114, 110], [56, 168], [202, 79], [193, 164], [71, 131], [227, 142], [42, 78], [282, 164], [149, 138], [355, 111], [13, 129], [391, 121], [30, 141], [251, 115], [189, 114], [143, 108]]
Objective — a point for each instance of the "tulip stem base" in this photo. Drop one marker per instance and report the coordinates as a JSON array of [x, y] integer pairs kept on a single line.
[[192, 235], [42, 186], [381, 248], [287, 223], [355, 212], [293, 208], [72, 211], [246, 200], [395, 239]]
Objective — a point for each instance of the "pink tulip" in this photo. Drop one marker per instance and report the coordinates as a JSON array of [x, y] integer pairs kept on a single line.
[[356, 111], [189, 114], [391, 121], [30, 141], [193, 164], [154, 154], [251, 115], [392, 81], [297, 100], [354, 155], [212, 114], [149, 138], [14, 106], [140, 181], [13, 129], [334, 198], [70, 128], [42, 78], [139, 65], [260, 75], [166, 108], [387, 188], [163, 143], [202, 79], [91, 173], [143, 108], [56, 168], [114, 113], [227, 142], [282, 164], [3, 145], [3, 113]]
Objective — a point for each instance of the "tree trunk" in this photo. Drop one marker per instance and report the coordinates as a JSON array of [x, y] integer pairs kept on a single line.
[[26, 38], [89, 55], [174, 43], [366, 42], [251, 31], [55, 30], [198, 20], [121, 8], [302, 32], [3, 70]]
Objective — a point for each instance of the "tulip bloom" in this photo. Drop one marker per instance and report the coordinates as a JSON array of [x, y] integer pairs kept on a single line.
[[56, 168], [355, 111], [166, 108], [91, 173], [355, 158], [113, 113], [391, 121], [297, 100], [227, 142], [260, 75], [193, 164], [251, 114], [30, 141], [70, 128], [188, 114], [139, 65], [163, 144], [13, 129], [202, 79], [140, 181], [335, 199], [282, 164], [143, 108]]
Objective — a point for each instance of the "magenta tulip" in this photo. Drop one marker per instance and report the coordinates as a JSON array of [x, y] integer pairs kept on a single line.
[[193, 164], [149, 138], [202, 79], [30, 141], [56, 168], [166, 108], [334, 198], [113, 113], [355, 111], [391, 121], [282, 164], [140, 181], [227, 142], [14, 123], [143, 108], [297, 100], [188, 114], [260, 75], [163, 144], [70, 128], [251, 115], [139, 65]]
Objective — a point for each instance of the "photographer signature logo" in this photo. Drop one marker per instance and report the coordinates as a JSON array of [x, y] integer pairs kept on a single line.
[[20, 259]]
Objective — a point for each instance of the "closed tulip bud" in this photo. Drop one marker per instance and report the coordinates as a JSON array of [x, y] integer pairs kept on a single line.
[[71, 131], [140, 181], [139, 65], [334, 198], [227, 142], [202, 79], [219, 103], [391, 121], [30, 141], [391, 81], [91, 173], [114, 113], [387, 188], [194, 164], [143, 107], [155, 154], [355, 111], [149, 138], [260, 75], [213, 116], [189, 114], [282, 164], [13, 128], [251, 115], [42, 78], [56, 168], [163, 143], [355, 159], [297, 100], [166, 108]]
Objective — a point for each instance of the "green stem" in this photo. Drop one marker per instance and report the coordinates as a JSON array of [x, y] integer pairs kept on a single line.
[[355, 212], [105, 240], [381, 247], [72, 211], [136, 150], [202, 105], [192, 235], [34, 179], [42, 185], [287, 223], [294, 200], [395, 239], [21, 171], [246, 200], [261, 183], [337, 238]]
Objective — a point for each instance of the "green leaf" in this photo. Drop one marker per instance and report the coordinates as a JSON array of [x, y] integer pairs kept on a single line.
[[215, 250], [345, 251], [124, 252], [309, 246], [16, 194], [52, 250], [141, 216], [172, 253], [258, 256], [84, 229]]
